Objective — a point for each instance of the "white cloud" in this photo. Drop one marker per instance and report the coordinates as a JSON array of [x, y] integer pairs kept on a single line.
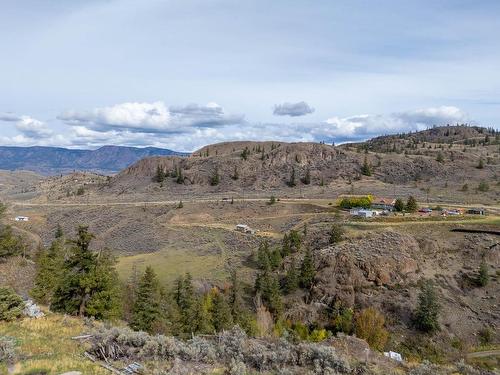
[[360, 126], [187, 128], [292, 109], [28, 126], [151, 117]]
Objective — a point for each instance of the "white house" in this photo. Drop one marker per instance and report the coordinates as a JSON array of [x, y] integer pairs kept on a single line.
[[21, 218], [244, 228], [361, 212]]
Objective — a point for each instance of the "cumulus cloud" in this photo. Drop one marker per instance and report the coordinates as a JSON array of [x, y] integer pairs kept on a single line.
[[151, 117], [186, 128], [292, 109], [28, 126], [363, 126]]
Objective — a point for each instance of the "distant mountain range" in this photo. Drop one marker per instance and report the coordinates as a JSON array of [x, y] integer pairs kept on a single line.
[[55, 160]]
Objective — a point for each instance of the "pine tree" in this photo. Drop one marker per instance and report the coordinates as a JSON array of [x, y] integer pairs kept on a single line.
[[292, 278], [275, 258], [245, 153], [291, 182], [146, 311], [59, 232], [440, 157], [186, 300], [89, 286], [160, 174], [427, 312], [411, 204], [10, 244], [481, 164], [307, 270], [336, 234], [399, 205], [483, 276], [215, 178], [235, 175], [203, 320], [222, 318], [366, 169], [180, 177], [49, 272], [263, 256], [307, 178], [11, 305], [236, 297]]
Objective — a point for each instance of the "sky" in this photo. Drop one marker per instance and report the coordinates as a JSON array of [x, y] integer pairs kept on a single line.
[[181, 74]]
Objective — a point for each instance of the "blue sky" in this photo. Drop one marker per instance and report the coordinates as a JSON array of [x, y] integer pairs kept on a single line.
[[185, 73]]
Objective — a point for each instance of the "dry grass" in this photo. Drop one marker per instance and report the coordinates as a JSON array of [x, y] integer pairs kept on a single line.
[[45, 345]]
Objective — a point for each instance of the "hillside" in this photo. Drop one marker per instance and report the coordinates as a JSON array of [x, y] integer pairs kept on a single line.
[[53, 160], [270, 167]]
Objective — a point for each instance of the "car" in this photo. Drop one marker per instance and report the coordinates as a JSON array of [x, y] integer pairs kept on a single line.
[[425, 210]]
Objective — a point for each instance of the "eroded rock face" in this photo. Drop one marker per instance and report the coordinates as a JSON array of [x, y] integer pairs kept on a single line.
[[382, 259]]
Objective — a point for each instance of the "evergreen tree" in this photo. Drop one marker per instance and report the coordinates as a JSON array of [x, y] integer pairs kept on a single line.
[[222, 318], [336, 234], [307, 270], [275, 259], [263, 256], [203, 320], [269, 287], [180, 177], [245, 153], [146, 311], [215, 178], [292, 278], [366, 169], [160, 174], [49, 272], [89, 285], [411, 204], [59, 232], [235, 175], [10, 244], [186, 303], [481, 164], [236, 297], [426, 314], [11, 305], [440, 157], [399, 205], [306, 180], [483, 276], [291, 182]]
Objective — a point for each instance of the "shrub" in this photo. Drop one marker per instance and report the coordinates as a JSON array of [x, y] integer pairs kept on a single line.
[[483, 276], [7, 350], [11, 305], [336, 234], [351, 202], [483, 186], [485, 336], [370, 326]]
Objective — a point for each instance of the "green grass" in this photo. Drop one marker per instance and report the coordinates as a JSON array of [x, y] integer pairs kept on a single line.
[[169, 264], [44, 346]]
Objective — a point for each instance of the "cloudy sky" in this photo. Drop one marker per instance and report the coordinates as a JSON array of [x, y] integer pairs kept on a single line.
[[184, 73]]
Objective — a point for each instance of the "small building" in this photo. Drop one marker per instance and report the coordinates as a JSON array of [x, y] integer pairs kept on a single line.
[[385, 204], [476, 211], [394, 355], [244, 229], [361, 212], [21, 218]]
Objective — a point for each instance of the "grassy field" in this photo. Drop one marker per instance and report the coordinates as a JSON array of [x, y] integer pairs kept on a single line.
[[169, 264], [44, 346]]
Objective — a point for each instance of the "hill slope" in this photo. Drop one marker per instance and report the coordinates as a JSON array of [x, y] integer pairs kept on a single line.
[[53, 160]]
